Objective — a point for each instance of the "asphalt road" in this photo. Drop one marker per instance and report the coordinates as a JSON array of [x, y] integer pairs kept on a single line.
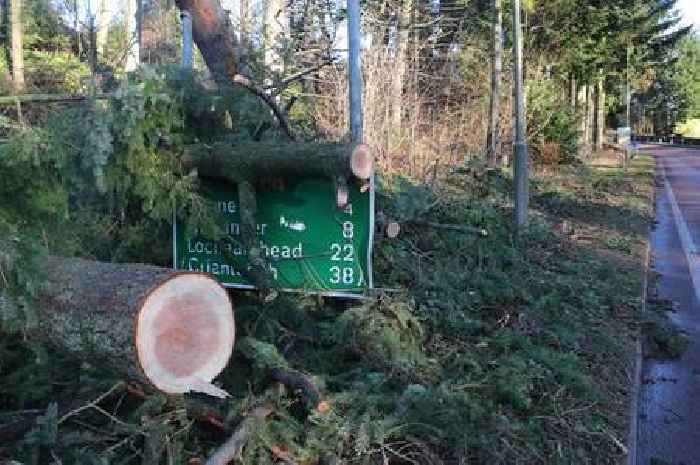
[[669, 400]]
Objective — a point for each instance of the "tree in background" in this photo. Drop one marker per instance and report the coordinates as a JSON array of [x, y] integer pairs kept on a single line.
[[17, 55], [493, 137]]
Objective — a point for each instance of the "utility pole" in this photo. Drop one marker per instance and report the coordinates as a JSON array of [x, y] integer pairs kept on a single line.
[[186, 21], [355, 69], [520, 165]]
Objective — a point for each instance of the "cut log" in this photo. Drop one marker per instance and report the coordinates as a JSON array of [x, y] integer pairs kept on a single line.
[[254, 160], [172, 330]]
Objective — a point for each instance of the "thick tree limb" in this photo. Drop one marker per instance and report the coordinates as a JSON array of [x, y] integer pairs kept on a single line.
[[278, 86], [269, 100], [254, 160], [266, 358]]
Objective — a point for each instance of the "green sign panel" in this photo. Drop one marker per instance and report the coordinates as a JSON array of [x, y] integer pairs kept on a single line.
[[309, 243]]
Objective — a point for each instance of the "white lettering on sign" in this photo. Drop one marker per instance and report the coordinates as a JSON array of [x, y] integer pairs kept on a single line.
[[216, 268], [233, 229], [213, 248], [348, 228], [344, 275], [293, 225], [226, 206], [282, 251], [346, 252]]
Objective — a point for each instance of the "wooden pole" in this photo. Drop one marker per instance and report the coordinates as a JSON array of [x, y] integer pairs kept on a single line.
[[520, 165]]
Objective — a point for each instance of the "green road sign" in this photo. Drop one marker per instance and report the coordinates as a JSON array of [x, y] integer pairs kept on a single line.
[[310, 244]]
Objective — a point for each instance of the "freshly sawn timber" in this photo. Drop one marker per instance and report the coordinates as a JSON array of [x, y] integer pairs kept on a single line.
[[172, 330], [254, 160]]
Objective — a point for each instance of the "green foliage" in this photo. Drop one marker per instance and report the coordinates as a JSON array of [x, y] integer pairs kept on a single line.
[[55, 72], [550, 119]]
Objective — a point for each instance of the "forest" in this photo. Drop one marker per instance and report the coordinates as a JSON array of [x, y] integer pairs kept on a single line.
[[485, 337]]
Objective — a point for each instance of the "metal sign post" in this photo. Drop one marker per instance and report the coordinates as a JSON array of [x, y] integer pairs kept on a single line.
[[186, 39], [355, 88]]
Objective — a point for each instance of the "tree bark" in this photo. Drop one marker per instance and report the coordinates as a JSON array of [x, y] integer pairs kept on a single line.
[[17, 45], [248, 161], [133, 33], [493, 137], [172, 330], [581, 115], [276, 26], [102, 28], [244, 28], [600, 115], [214, 38], [572, 91]]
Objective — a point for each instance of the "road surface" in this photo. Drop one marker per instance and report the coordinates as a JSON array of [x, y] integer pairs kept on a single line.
[[669, 401]]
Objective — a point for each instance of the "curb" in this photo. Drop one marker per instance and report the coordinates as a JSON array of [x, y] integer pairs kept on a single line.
[[632, 446], [637, 375]]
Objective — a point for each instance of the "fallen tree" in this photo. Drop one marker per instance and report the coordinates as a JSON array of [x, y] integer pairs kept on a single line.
[[248, 161], [171, 330]]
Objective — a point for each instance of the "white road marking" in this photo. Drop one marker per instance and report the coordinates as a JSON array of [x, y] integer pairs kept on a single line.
[[689, 248]]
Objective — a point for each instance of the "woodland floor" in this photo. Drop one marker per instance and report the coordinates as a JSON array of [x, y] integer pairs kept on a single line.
[[501, 349]]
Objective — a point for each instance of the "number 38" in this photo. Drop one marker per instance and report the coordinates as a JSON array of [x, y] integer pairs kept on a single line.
[[344, 275]]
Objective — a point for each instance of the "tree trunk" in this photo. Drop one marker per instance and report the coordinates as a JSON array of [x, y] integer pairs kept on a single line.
[[600, 115], [17, 47], [276, 26], [248, 161], [214, 38], [76, 26], [244, 28], [581, 120], [170, 329], [102, 28], [589, 115], [133, 33], [93, 42], [5, 30], [493, 137], [572, 92], [399, 71]]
